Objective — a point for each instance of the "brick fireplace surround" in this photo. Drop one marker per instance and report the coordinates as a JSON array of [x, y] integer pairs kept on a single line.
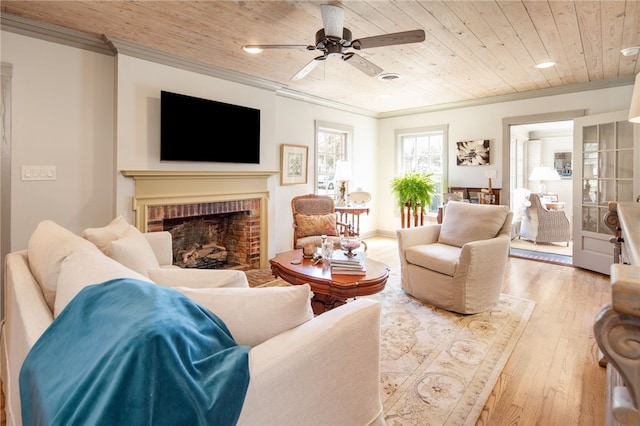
[[162, 195]]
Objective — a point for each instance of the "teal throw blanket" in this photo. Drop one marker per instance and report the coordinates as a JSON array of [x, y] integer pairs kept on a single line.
[[127, 352]]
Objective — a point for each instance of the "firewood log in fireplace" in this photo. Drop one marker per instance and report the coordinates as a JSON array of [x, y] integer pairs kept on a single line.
[[211, 256]]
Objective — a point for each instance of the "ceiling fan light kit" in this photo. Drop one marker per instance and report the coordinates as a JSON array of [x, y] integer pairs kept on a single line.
[[334, 40]]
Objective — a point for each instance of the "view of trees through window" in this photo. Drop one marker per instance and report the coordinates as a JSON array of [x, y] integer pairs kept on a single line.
[[424, 152], [331, 146]]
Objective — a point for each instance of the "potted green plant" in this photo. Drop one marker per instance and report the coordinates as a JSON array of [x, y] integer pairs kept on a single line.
[[413, 193]]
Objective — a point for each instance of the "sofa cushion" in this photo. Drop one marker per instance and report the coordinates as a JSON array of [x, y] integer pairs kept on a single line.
[[86, 267], [320, 224], [133, 251], [48, 246], [438, 257], [466, 222], [198, 278], [254, 315], [101, 237]]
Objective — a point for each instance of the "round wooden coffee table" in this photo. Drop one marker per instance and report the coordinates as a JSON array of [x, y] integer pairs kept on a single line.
[[330, 290]]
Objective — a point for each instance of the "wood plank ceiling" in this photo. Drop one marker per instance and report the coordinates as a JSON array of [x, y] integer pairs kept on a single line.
[[473, 49]]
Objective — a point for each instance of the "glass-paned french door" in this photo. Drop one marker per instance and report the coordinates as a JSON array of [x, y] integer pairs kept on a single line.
[[609, 163]]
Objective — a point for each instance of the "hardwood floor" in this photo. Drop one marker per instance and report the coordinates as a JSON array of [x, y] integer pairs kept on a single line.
[[552, 376]]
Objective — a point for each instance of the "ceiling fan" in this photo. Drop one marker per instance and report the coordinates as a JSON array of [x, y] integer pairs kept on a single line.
[[334, 40]]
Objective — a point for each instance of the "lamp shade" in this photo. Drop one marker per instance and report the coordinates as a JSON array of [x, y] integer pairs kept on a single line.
[[588, 172], [634, 111], [343, 171], [544, 173]]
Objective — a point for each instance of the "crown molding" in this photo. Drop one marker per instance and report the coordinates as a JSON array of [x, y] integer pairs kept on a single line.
[[128, 48], [530, 94], [53, 33], [292, 94]]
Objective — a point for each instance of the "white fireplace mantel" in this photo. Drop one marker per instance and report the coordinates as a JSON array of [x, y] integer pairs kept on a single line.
[[170, 187]]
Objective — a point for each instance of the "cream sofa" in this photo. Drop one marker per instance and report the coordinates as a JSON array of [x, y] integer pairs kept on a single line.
[[303, 369]]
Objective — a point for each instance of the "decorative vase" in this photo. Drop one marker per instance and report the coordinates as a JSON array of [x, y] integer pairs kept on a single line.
[[349, 244]]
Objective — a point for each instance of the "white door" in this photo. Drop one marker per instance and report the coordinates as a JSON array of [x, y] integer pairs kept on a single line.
[[605, 164]]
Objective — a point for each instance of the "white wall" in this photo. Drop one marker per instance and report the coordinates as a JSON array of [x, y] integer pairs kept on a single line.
[[480, 122], [62, 115]]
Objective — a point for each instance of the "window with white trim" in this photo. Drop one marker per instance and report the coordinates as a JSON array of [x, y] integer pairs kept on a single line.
[[332, 145], [424, 150]]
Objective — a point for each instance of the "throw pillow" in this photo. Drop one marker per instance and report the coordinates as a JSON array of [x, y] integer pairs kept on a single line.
[[254, 315], [466, 222], [48, 246], [133, 251], [101, 237], [86, 267], [307, 225]]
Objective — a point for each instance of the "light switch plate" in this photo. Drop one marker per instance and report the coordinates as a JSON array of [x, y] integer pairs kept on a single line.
[[38, 172]]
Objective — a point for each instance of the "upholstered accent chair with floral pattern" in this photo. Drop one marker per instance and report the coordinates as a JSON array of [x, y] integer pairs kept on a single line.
[[313, 216]]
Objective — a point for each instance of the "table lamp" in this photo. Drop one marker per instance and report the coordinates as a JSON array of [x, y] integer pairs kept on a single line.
[[342, 175], [542, 174]]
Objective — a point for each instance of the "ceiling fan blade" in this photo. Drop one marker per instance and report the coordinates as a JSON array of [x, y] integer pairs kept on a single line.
[[277, 46], [362, 64], [307, 68], [405, 37], [333, 20]]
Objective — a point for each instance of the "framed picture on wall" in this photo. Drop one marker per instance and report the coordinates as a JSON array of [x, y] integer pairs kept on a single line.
[[293, 169], [459, 194], [563, 164], [473, 153]]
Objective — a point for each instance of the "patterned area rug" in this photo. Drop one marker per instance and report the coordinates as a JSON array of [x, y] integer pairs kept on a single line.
[[438, 367], [264, 278]]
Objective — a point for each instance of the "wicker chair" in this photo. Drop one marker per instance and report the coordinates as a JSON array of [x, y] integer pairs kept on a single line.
[[544, 226], [313, 216]]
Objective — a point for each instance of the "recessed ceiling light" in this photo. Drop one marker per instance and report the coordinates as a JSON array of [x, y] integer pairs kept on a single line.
[[389, 76], [630, 51], [252, 49], [548, 64]]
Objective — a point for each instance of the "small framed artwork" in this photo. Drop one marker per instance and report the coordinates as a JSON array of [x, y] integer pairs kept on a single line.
[[294, 164], [459, 194], [473, 153], [563, 165]]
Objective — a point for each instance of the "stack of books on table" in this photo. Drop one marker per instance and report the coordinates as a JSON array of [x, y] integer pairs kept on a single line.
[[341, 264]]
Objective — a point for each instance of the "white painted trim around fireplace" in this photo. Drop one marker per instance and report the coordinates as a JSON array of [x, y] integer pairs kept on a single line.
[[169, 187]]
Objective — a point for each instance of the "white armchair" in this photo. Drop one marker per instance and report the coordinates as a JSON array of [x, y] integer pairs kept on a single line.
[[458, 265]]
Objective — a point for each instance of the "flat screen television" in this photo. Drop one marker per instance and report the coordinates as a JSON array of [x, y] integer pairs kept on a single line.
[[195, 129]]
